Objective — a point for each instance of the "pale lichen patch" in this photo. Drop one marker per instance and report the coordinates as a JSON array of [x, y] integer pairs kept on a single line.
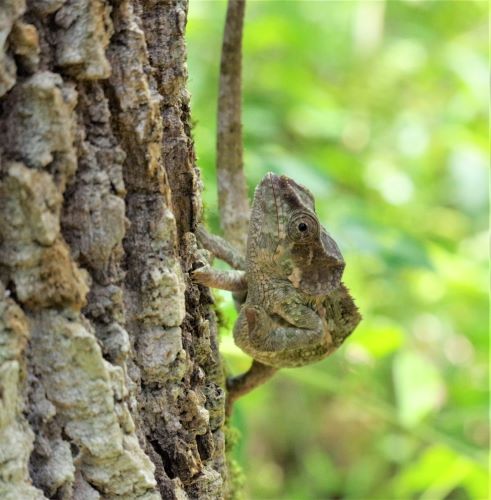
[[85, 31], [40, 121], [16, 437]]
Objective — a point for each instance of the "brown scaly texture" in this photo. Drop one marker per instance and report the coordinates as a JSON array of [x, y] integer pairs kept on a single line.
[[109, 368], [297, 310]]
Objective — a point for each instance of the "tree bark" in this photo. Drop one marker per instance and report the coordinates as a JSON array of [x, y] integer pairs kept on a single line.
[[110, 376]]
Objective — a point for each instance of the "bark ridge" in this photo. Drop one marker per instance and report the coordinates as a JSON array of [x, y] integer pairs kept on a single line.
[[110, 376]]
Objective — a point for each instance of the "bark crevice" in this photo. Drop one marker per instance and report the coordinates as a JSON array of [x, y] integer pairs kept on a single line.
[[108, 350]]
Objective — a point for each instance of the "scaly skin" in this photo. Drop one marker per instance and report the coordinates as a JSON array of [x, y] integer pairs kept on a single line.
[[297, 310]]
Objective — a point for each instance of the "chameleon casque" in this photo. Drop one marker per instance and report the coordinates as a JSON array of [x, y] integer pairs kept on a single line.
[[297, 310]]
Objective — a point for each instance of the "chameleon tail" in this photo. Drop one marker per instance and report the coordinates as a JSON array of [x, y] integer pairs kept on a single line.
[[237, 386]]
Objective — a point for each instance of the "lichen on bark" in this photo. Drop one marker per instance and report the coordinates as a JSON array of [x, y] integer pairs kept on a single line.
[[109, 366]]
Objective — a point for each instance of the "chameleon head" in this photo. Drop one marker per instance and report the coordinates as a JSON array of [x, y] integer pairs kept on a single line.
[[284, 226]]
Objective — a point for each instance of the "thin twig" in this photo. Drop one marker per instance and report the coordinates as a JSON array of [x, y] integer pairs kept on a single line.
[[232, 188]]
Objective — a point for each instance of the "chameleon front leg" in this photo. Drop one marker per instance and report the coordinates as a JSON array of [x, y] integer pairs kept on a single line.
[[241, 384], [202, 273], [233, 281]]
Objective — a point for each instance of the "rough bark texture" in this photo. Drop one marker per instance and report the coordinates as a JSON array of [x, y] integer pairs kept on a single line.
[[110, 378]]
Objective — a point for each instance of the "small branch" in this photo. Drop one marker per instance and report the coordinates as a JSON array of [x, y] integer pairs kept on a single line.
[[232, 188], [237, 386]]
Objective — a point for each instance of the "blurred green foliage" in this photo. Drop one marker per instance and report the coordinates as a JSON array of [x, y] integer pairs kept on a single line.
[[380, 109]]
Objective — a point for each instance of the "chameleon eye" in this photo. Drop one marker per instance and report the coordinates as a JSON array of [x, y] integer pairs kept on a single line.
[[303, 227]]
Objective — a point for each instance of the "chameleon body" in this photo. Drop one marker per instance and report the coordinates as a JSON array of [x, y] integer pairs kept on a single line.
[[296, 310]]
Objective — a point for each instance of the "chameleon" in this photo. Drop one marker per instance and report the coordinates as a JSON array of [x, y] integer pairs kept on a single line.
[[295, 310]]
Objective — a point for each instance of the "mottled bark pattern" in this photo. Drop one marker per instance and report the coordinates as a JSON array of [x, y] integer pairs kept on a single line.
[[110, 378]]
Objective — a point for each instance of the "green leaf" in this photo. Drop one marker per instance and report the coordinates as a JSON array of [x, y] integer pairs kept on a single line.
[[378, 337], [437, 472], [418, 385]]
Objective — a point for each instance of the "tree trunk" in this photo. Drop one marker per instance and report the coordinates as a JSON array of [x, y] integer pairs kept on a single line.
[[110, 377]]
